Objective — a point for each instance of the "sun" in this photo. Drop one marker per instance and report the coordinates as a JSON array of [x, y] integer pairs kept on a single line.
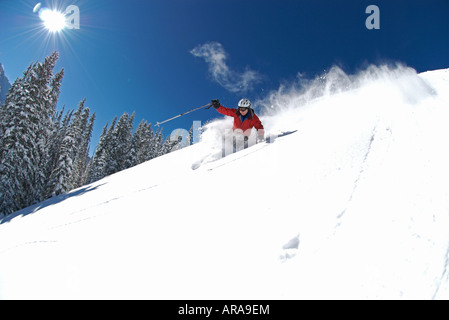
[[54, 21]]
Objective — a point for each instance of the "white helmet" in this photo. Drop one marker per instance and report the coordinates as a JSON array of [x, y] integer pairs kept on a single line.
[[244, 103]]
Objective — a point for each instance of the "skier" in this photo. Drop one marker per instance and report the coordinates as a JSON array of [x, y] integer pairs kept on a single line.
[[244, 117]]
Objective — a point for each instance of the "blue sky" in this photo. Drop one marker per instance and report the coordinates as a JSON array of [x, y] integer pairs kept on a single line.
[[163, 57]]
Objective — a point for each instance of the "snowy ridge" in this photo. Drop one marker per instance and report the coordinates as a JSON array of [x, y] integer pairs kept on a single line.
[[352, 205]]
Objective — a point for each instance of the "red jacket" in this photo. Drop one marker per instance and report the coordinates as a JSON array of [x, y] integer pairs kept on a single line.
[[248, 123]]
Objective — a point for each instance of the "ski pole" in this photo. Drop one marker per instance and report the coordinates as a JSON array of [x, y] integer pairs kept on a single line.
[[180, 115]]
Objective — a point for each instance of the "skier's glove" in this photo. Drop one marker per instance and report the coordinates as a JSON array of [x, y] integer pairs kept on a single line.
[[215, 103]]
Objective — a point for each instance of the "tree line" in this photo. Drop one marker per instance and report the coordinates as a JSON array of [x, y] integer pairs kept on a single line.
[[45, 153]]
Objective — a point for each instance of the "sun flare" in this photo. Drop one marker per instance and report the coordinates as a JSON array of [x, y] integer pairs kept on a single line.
[[54, 21]]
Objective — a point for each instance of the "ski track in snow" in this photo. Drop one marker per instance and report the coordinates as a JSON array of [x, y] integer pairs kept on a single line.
[[31, 243], [444, 279], [363, 168]]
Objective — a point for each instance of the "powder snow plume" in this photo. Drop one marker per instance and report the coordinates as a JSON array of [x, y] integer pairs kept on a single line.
[[377, 89]]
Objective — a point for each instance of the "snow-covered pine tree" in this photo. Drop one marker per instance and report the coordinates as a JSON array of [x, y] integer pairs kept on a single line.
[[82, 162], [84, 126], [47, 128], [156, 144], [94, 167], [26, 132], [141, 143], [120, 147], [60, 178], [56, 150], [97, 165], [69, 171]]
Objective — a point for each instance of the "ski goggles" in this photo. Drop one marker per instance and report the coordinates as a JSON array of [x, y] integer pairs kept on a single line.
[[242, 108]]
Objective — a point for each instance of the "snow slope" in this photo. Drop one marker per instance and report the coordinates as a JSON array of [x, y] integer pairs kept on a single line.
[[353, 205]]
